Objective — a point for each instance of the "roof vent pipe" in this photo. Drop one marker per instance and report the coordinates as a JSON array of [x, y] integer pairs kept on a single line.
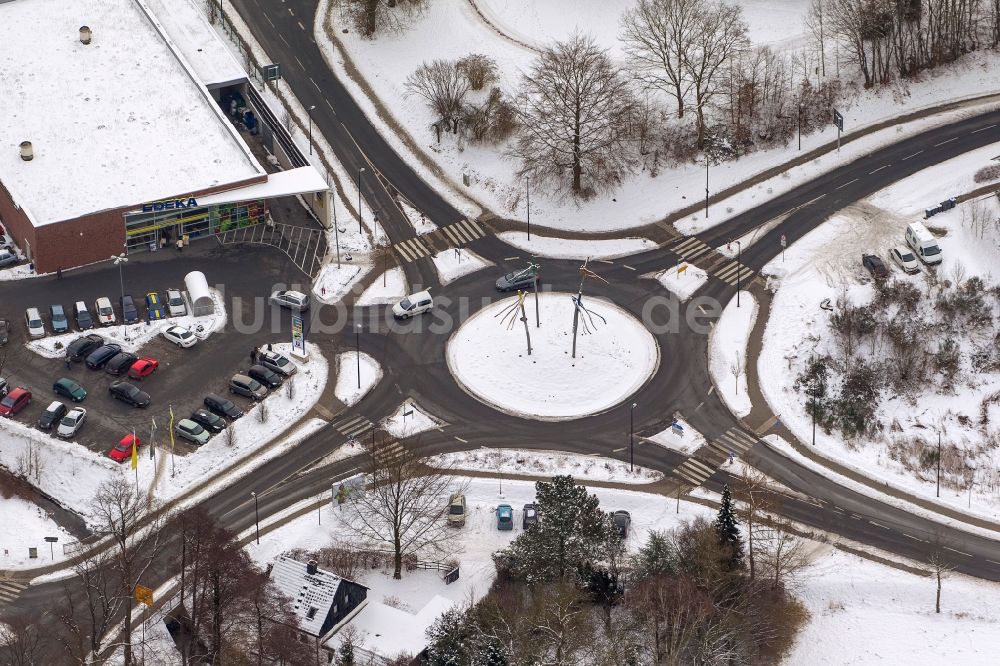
[[311, 568], [27, 153], [85, 34]]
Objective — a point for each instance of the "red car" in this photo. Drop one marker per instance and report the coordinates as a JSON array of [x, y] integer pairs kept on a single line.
[[144, 367], [15, 401], [123, 449]]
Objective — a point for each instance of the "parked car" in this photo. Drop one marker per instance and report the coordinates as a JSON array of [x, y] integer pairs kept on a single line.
[[59, 322], [154, 307], [52, 415], [923, 243], [33, 320], [122, 451], [278, 363], [120, 363], [105, 313], [191, 431], [175, 303], [905, 259], [875, 266], [129, 393], [143, 367], [4, 331], [7, 258], [209, 421], [71, 422], [4, 387], [622, 521], [505, 517], [67, 388], [223, 407], [413, 305], [265, 376], [80, 348], [529, 516], [15, 401], [130, 315], [97, 358], [247, 387], [522, 279], [81, 314], [293, 300], [180, 336], [456, 510]]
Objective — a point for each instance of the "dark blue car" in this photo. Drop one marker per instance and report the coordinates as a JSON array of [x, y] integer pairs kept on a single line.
[[154, 307]]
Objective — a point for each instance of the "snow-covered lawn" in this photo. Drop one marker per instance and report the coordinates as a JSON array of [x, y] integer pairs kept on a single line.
[[387, 288], [458, 262], [134, 337], [408, 420], [545, 464], [684, 283], [562, 248], [490, 360], [24, 526], [728, 352], [356, 375]]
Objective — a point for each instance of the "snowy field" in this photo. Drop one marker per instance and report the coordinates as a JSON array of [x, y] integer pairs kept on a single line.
[[354, 380], [727, 352], [545, 464], [387, 288], [563, 248], [457, 262], [684, 283], [409, 419], [24, 526], [488, 359]]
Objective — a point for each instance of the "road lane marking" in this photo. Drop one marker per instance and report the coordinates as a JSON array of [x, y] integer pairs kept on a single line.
[[291, 12], [983, 129], [302, 26], [879, 525], [510, 258], [618, 450], [331, 106], [699, 405], [912, 537], [316, 85], [300, 63], [956, 551], [464, 441], [854, 515], [628, 267], [993, 561], [269, 21], [884, 166], [284, 40], [946, 141], [913, 155], [846, 184], [712, 388]]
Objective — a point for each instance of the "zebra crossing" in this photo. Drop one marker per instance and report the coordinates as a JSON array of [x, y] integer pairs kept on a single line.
[[734, 273], [9, 591], [692, 248], [353, 426], [452, 235], [412, 249], [387, 453], [696, 471], [724, 268]]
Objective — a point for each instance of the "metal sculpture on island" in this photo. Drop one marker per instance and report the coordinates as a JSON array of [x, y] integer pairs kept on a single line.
[[509, 315], [578, 307]]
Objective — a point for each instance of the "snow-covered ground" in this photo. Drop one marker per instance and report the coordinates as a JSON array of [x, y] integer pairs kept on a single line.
[[25, 525], [408, 420], [727, 352], [687, 442], [134, 337], [562, 248], [458, 262], [333, 283], [684, 283], [387, 288], [545, 464], [420, 222], [490, 360], [354, 380]]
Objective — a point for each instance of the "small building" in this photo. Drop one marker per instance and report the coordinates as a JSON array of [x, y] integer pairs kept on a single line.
[[201, 298]]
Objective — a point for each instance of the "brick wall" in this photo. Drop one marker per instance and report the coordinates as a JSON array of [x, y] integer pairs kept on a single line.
[[15, 222]]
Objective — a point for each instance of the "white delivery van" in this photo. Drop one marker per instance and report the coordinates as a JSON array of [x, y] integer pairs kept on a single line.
[[923, 242]]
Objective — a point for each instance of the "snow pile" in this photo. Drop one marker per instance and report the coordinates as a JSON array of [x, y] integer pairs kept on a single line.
[[333, 283], [728, 352], [408, 420], [24, 526], [613, 360], [563, 248], [684, 283], [421, 224], [356, 376], [687, 442], [388, 288], [458, 262], [548, 464]]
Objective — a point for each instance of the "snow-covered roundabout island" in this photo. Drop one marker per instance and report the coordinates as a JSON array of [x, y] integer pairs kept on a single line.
[[489, 358]]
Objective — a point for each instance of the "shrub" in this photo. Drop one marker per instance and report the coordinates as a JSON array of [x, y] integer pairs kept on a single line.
[[478, 69]]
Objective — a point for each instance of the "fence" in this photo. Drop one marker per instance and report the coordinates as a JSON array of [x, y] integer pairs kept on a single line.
[[304, 246]]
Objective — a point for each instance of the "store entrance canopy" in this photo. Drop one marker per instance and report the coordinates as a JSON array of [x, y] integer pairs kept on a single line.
[[302, 180]]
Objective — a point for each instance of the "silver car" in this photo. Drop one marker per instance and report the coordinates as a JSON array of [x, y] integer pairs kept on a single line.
[[293, 300], [191, 431], [72, 422]]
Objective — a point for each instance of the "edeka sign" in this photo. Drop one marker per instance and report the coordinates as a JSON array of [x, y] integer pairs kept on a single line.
[[170, 204]]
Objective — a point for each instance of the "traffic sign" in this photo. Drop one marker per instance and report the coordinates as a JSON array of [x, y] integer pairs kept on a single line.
[[144, 595], [271, 72], [784, 242], [838, 120]]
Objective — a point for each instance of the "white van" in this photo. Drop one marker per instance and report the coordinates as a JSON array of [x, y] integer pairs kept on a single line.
[[923, 242], [413, 304], [33, 320], [105, 313]]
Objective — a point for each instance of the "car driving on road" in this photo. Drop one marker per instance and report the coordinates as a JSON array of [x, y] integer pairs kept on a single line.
[[522, 279], [413, 305], [293, 300]]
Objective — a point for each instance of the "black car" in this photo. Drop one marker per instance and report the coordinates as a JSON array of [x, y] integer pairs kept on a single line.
[[120, 364], [101, 355], [80, 348], [52, 415], [223, 407], [4, 331], [129, 393], [622, 521], [268, 378], [209, 421], [875, 266], [130, 315], [84, 321], [523, 279], [529, 516]]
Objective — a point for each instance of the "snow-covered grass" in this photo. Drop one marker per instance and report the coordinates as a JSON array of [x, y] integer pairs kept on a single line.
[[458, 262], [684, 283], [689, 441], [387, 288], [24, 526], [420, 222], [728, 352], [562, 248], [354, 380], [134, 337], [544, 464], [409, 419], [490, 360]]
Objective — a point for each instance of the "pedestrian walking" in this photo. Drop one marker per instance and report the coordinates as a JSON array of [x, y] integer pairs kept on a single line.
[[68, 365], [180, 244], [269, 347], [59, 273], [253, 356]]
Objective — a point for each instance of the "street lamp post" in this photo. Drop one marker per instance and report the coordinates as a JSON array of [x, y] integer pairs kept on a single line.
[[357, 346], [707, 160], [120, 260], [256, 516], [311, 109], [739, 269], [631, 438], [800, 125], [361, 170], [527, 193]]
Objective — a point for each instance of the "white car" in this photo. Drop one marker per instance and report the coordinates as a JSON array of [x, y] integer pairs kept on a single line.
[[70, 424], [192, 432], [413, 304], [905, 259], [175, 303], [180, 336], [105, 313], [33, 320], [293, 300]]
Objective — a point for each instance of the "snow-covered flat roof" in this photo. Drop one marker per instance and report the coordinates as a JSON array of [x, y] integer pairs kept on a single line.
[[114, 123], [188, 28], [389, 631]]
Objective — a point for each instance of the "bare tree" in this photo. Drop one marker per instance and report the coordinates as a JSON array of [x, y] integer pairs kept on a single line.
[[781, 555], [657, 35], [20, 641], [372, 17], [756, 498], [404, 506], [941, 566], [479, 69], [229, 437], [86, 616], [736, 368], [573, 106], [29, 465], [443, 85], [815, 25]]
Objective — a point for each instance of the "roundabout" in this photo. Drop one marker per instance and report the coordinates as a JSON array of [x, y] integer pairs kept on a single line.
[[615, 356]]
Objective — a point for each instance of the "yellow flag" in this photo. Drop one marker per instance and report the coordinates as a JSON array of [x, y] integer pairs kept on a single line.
[[171, 429], [682, 268], [135, 452]]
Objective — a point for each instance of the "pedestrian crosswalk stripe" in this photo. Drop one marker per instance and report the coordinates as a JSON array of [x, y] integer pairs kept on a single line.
[[462, 231], [354, 426], [705, 469], [411, 249], [681, 473], [728, 270], [9, 591], [451, 235], [476, 229]]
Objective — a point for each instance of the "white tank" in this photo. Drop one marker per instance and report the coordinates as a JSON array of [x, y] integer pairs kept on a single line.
[[85, 34], [27, 152]]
